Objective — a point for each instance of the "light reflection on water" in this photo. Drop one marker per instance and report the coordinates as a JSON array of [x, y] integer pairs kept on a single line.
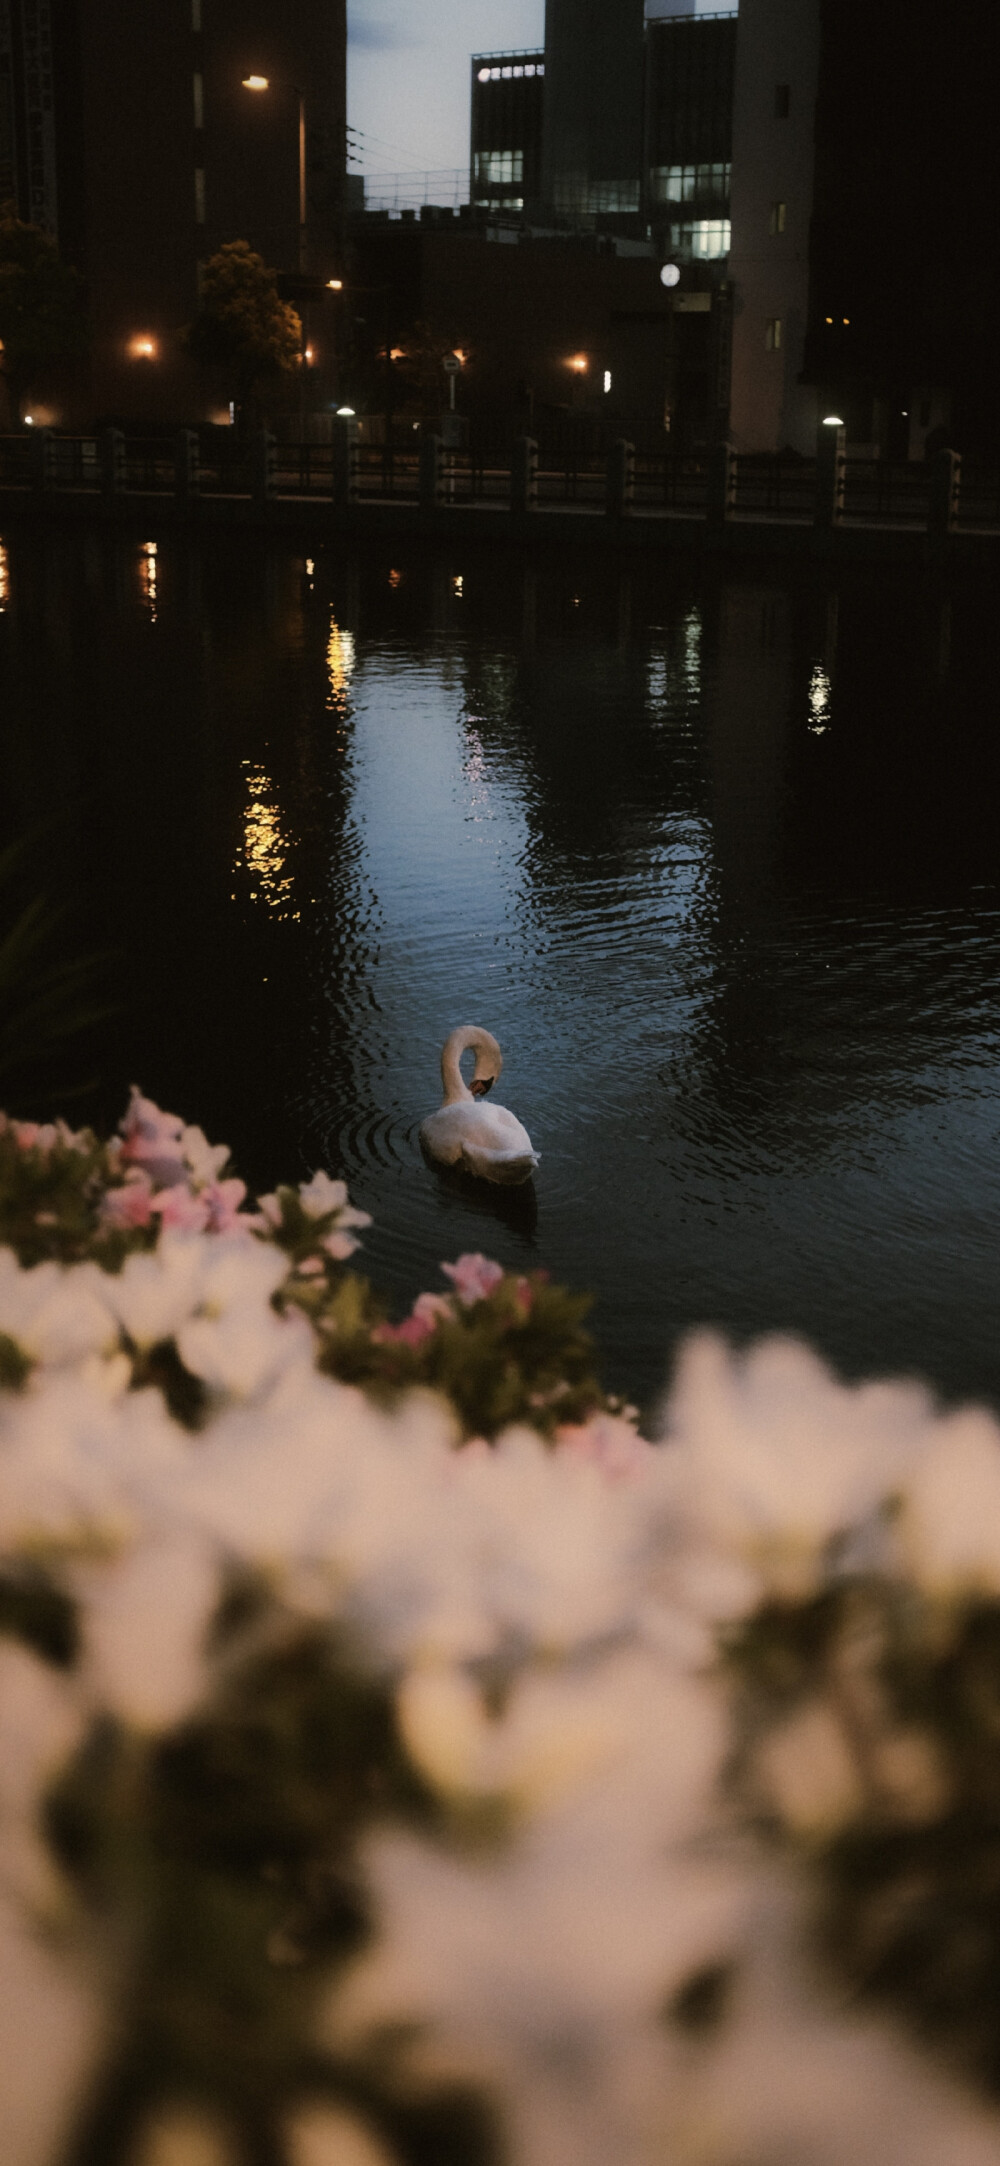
[[713, 854]]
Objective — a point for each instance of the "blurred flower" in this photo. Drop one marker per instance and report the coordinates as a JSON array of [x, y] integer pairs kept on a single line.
[[949, 1525], [154, 1140], [57, 1315], [474, 1277]]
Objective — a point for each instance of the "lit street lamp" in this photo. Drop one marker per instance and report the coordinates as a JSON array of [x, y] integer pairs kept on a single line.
[[261, 83]]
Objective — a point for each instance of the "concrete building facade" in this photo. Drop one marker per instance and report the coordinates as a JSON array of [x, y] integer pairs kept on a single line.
[[127, 133], [777, 73]]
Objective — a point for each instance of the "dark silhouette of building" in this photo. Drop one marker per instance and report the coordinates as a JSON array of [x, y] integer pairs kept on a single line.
[[866, 177], [592, 150], [508, 92], [127, 133]]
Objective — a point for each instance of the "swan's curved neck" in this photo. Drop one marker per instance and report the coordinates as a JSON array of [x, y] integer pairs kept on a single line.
[[488, 1061]]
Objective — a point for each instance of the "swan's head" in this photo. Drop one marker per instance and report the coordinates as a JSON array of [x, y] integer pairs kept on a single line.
[[469, 1038]]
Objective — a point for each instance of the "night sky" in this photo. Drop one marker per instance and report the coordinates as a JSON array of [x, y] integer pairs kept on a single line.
[[408, 74]]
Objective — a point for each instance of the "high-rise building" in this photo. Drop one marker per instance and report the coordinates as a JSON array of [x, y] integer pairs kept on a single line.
[[508, 94], [129, 133], [592, 147], [866, 175]]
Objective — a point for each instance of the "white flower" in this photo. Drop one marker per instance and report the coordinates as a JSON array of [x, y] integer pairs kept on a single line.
[[949, 1527], [52, 2029], [321, 1195], [79, 1471], [155, 1293], [328, 2136], [771, 1458], [40, 1726], [205, 1159], [145, 1619], [234, 1340], [57, 1314], [808, 1773]]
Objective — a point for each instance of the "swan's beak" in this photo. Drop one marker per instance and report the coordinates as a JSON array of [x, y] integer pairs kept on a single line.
[[481, 1084]]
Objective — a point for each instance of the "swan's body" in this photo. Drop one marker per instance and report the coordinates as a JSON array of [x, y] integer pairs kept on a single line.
[[486, 1140]]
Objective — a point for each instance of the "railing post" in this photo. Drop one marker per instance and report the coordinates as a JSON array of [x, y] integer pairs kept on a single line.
[[345, 461], [111, 453], [43, 461], [263, 468], [621, 478], [431, 471], [524, 474], [944, 485], [187, 470], [720, 494], [831, 460]]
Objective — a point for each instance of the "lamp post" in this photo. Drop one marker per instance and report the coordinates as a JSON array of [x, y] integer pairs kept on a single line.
[[261, 83]]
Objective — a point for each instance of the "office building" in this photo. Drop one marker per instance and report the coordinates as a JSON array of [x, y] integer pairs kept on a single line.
[[508, 92], [128, 133], [592, 142]]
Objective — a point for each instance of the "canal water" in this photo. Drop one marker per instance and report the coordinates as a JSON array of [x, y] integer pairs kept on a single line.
[[712, 849]]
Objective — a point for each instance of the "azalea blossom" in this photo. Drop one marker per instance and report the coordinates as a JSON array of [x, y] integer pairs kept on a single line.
[[474, 1277]]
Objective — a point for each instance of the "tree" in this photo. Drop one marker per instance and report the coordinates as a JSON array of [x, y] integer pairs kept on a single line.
[[243, 328], [41, 306]]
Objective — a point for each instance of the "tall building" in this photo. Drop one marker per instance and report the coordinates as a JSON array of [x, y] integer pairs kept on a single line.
[[777, 71], [866, 176], [508, 93], [592, 150], [129, 134]]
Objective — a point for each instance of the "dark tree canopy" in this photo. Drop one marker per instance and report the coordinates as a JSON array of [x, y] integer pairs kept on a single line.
[[243, 327]]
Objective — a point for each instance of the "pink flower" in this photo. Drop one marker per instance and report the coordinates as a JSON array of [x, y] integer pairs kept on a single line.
[[177, 1207], [30, 1136], [154, 1140], [130, 1205], [474, 1277], [524, 1294], [422, 1322], [223, 1199]]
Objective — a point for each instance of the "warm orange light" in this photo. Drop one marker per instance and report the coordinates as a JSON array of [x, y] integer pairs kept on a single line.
[[397, 353], [335, 285], [309, 353], [579, 364], [461, 356], [142, 347], [256, 82]]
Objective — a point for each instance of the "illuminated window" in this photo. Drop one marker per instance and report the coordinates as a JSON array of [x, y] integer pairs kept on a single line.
[[199, 101], [702, 241], [199, 195], [483, 76], [782, 100], [772, 334], [777, 220], [495, 167], [706, 185]]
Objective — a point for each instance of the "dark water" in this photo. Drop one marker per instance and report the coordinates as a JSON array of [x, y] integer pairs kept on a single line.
[[713, 852]]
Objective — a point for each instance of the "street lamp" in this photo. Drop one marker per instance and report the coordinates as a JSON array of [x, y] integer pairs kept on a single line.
[[261, 83]]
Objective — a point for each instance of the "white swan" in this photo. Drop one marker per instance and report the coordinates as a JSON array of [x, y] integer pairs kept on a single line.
[[486, 1140]]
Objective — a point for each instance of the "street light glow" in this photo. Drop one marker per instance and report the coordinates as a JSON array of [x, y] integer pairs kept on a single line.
[[833, 421], [142, 347], [335, 285], [256, 82], [578, 363], [670, 275]]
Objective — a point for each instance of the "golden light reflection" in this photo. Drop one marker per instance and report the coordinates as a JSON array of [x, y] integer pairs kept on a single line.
[[339, 658], [264, 851], [395, 579], [458, 586], [4, 579], [148, 572], [820, 694]]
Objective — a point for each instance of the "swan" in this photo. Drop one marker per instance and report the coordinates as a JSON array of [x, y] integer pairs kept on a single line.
[[486, 1140]]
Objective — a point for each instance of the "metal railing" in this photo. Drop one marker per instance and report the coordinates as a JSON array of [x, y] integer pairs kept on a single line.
[[564, 474]]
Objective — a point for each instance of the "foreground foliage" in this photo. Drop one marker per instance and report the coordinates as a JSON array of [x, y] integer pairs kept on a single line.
[[402, 1760]]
